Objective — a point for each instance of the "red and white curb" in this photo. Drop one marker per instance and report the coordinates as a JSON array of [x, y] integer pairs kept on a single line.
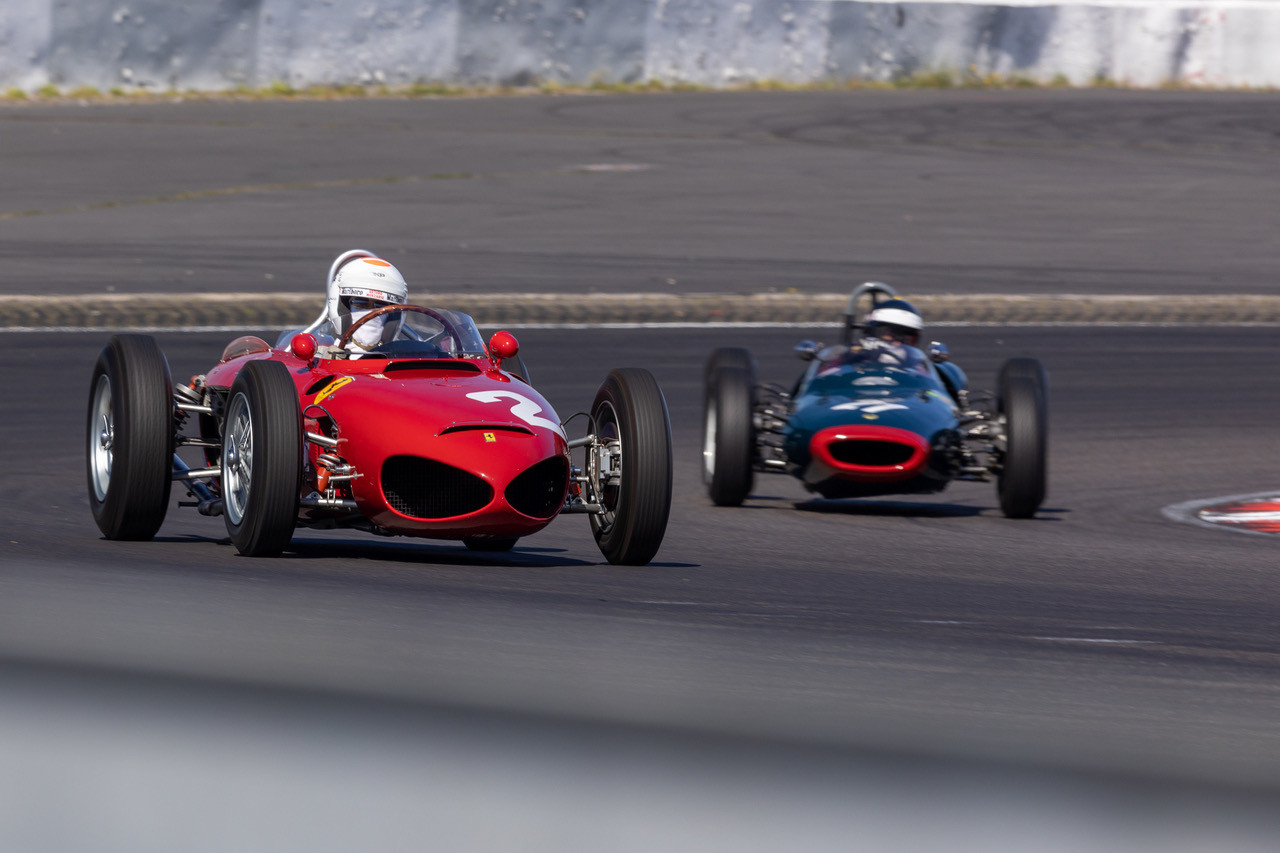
[[1258, 513]]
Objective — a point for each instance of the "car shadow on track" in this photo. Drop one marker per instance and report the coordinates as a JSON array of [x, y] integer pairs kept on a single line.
[[425, 552], [433, 553], [889, 508], [908, 509]]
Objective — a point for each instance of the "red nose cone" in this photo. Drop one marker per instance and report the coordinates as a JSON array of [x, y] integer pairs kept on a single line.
[[870, 453], [303, 346], [503, 345]]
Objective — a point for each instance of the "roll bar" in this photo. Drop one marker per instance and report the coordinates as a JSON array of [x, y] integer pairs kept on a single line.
[[853, 317], [349, 255]]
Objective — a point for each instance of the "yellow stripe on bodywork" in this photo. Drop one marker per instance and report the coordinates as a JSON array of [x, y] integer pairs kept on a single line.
[[332, 387]]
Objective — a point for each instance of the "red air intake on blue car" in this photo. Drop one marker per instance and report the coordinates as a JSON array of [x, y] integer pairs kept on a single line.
[[870, 453]]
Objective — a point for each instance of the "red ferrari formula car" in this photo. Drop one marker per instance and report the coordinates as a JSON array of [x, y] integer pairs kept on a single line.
[[433, 434]]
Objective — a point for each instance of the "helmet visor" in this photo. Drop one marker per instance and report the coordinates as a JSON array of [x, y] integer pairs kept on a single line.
[[892, 332]]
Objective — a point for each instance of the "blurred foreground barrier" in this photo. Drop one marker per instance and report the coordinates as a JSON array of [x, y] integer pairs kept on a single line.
[[118, 763]]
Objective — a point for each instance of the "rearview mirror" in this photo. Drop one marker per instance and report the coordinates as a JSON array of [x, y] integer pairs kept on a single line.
[[807, 350], [503, 345]]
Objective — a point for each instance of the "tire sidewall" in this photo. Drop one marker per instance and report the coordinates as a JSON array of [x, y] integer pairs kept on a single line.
[[644, 496], [270, 510], [728, 397], [1022, 481], [137, 493]]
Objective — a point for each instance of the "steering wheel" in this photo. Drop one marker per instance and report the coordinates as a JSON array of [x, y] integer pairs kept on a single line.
[[388, 309]]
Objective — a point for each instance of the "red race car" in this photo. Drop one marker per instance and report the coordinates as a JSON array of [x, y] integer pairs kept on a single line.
[[433, 434]]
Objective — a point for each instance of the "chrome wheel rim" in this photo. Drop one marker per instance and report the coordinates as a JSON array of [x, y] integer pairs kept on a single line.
[[102, 437], [709, 445], [607, 462], [237, 459]]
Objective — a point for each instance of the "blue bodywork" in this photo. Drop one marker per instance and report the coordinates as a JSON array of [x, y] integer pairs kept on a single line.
[[876, 383]]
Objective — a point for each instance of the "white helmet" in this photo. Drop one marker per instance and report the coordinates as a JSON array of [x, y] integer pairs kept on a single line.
[[364, 275], [896, 318]]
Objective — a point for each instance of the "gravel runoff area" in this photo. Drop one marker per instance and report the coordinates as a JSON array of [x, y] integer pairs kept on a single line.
[[196, 310]]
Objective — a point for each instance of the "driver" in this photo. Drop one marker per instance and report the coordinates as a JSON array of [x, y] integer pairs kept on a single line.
[[896, 321], [361, 285]]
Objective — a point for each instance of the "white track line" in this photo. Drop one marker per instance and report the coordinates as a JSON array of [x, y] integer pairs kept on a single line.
[[26, 330]]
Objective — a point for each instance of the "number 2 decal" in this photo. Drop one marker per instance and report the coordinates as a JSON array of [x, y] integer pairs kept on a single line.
[[868, 407], [524, 408]]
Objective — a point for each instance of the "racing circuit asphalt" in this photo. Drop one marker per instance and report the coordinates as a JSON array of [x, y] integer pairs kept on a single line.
[[1099, 635], [1028, 192]]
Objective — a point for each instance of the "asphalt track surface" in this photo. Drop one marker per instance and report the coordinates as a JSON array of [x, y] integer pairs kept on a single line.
[[935, 192], [1100, 636]]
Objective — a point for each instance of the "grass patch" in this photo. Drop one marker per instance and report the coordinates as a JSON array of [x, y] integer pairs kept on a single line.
[[928, 80], [428, 90], [933, 79]]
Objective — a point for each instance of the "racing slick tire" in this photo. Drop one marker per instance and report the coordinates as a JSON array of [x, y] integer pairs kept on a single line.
[[1022, 366], [491, 544], [731, 357], [630, 415], [130, 438], [261, 459], [1023, 475], [728, 436]]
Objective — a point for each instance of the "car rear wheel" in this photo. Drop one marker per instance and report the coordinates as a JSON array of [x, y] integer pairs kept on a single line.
[[728, 436], [731, 357], [631, 467], [261, 459], [130, 438], [1024, 405], [490, 543]]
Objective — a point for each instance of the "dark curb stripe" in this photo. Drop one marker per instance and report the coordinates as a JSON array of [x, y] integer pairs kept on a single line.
[[294, 309]]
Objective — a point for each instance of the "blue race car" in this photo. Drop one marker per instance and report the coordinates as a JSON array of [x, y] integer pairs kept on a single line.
[[876, 416]]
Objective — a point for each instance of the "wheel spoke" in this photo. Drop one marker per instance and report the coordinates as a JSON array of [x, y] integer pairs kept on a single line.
[[238, 477], [102, 439]]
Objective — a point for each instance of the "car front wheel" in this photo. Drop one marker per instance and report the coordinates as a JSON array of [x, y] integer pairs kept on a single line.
[[631, 467], [261, 459], [1024, 470]]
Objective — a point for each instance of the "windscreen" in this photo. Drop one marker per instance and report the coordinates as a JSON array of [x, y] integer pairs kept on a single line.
[[873, 353], [433, 333], [873, 368]]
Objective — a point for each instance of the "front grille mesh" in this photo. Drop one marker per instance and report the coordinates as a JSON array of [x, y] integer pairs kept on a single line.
[[539, 490], [871, 453], [424, 488]]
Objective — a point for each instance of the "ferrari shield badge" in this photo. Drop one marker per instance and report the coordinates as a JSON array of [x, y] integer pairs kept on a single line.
[[490, 437]]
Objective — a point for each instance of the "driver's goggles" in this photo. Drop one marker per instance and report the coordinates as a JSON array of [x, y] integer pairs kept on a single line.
[[361, 303]]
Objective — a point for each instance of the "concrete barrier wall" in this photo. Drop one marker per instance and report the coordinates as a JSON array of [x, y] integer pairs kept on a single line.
[[221, 44]]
